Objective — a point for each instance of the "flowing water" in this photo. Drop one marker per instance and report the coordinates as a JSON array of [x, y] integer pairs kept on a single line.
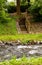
[[7, 51]]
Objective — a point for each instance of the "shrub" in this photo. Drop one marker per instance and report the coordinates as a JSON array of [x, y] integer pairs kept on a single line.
[[4, 17], [12, 9], [36, 9]]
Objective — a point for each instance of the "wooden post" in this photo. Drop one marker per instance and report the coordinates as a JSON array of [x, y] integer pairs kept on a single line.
[[27, 22]]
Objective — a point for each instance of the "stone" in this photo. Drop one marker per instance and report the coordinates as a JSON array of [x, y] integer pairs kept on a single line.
[[19, 41], [7, 57], [33, 52], [40, 42], [35, 47], [9, 43], [0, 60], [1, 42], [1, 53], [6, 53]]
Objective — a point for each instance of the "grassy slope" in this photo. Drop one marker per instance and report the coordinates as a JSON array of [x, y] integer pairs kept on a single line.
[[21, 37], [23, 61], [8, 28]]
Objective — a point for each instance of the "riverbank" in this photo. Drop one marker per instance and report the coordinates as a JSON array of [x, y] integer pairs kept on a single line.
[[23, 61], [21, 37], [10, 43]]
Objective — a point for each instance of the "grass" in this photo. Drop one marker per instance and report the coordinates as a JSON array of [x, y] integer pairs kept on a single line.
[[8, 28], [22, 37], [23, 61]]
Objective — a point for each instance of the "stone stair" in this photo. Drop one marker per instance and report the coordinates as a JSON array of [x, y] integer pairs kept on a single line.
[[23, 28]]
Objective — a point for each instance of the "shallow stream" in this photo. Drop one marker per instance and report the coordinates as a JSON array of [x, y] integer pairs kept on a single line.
[[7, 51]]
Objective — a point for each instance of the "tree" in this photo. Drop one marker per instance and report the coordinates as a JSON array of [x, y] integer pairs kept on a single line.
[[23, 1], [36, 7], [36, 10], [18, 7], [28, 2]]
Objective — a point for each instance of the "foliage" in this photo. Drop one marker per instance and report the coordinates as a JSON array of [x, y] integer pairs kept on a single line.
[[23, 2], [2, 2], [36, 10], [7, 24], [11, 4], [12, 9], [4, 17], [36, 7], [23, 61]]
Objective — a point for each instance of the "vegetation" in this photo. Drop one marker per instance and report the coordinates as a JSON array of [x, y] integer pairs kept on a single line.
[[3, 15], [36, 9], [8, 28], [7, 24], [8, 31], [23, 61], [22, 37]]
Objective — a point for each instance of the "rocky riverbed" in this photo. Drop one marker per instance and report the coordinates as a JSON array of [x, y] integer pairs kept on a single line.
[[8, 50]]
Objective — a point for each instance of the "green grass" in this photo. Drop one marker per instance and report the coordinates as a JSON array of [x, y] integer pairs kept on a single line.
[[23, 61], [21, 37], [8, 27]]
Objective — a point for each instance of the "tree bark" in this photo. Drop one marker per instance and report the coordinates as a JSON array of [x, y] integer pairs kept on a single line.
[[28, 2], [18, 7]]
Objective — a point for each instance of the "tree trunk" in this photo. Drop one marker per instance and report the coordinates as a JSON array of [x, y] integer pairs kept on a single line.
[[18, 7], [28, 2]]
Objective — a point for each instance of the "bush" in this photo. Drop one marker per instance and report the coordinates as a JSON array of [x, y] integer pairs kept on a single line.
[[12, 9], [23, 8], [36, 10], [11, 3], [4, 17]]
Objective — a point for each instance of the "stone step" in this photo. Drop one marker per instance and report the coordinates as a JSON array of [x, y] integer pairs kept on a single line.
[[23, 27]]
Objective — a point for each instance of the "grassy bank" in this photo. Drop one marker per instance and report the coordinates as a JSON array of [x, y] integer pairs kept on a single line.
[[8, 27], [23, 61], [21, 37]]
